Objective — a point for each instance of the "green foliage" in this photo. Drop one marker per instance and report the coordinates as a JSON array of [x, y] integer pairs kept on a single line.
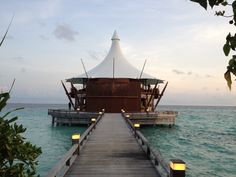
[[212, 3], [230, 44], [17, 157]]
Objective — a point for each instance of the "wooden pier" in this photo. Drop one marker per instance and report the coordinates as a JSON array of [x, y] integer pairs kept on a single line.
[[114, 148], [153, 118], [71, 117]]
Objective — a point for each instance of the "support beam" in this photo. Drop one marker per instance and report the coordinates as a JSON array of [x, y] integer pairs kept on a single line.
[[68, 95], [149, 101], [142, 69], [160, 96], [84, 68]]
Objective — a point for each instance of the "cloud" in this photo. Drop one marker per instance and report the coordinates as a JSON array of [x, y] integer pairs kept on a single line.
[[97, 55], [49, 8], [23, 70], [178, 72], [189, 73], [42, 24], [93, 55], [209, 76], [18, 59], [9, 37], [65, 32], [43, 37]]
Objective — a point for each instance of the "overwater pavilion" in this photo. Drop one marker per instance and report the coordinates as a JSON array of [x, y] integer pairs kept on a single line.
[[113, 85]]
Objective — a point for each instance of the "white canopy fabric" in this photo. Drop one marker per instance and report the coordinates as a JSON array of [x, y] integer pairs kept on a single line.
[[115, 65]]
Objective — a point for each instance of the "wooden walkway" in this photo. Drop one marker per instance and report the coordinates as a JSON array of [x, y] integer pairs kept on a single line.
[[112, 150]]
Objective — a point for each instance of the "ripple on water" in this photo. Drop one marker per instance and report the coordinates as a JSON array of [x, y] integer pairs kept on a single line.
[[204, 137]]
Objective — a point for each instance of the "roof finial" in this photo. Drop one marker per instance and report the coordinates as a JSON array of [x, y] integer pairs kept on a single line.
[[115, 36]]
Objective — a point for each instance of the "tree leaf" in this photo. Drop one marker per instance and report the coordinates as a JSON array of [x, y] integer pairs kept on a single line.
[[225, 3], [226, 49], [6, 32], [5, 115], [12, 119], [3, 100], [228, 79], [234, 6], [17, 157], [202, 3], [212, 3]]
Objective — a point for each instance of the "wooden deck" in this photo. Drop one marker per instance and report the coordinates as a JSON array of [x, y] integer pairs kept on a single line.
[[153, 118], [71, 117], [112, 150]]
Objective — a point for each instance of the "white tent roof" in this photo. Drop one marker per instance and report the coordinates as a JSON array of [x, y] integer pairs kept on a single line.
[[114, 65]]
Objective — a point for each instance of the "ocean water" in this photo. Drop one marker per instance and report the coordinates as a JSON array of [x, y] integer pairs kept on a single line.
[[54, 141], [204, 137]]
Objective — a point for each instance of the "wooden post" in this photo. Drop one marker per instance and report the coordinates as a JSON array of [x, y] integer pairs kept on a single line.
[[149, 101], [68, 95], [68, 162], [93, 120], [160, 96], [148, 152], [75, 140], [53, 119], [136, 126], [177, 168], [156, 162]]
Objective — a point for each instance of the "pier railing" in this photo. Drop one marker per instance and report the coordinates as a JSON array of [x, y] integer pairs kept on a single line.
[[68, 159], [153, 154], [153, 118], [70, 117]]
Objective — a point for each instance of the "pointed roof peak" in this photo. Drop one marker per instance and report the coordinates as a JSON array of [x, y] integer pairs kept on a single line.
[[115, 36]]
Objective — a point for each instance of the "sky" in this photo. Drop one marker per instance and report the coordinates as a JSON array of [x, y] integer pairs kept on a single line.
[[180, 40]]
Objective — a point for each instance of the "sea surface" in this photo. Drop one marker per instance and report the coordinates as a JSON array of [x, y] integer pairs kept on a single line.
[[204, 137]]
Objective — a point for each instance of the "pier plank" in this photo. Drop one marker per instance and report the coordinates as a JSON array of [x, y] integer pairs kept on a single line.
[[112, 151]]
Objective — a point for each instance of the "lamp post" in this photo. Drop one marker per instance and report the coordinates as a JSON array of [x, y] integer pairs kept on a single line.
[[177, 168], [75, 140]]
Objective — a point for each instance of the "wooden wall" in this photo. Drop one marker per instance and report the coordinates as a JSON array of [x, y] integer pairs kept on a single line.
[[113, 95]]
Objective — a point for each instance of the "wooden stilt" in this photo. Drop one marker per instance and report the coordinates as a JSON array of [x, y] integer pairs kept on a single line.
[[68, 95], [160, 96], [149, 101], [53, 119]]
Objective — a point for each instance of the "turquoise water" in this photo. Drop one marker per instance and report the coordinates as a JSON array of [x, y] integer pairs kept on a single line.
[[204, 137], [54, 141]]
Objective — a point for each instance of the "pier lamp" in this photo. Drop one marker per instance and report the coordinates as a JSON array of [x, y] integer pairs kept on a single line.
[[93, 120], [103, 110], [127, 116], [136, 125], [177, 168], [100, 113], [75, 138]]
